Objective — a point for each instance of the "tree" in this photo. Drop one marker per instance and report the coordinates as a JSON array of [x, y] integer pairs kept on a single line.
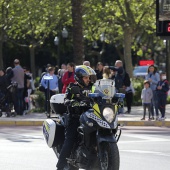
[[77, 31], [3, 24], [122, 18], [32, 23]]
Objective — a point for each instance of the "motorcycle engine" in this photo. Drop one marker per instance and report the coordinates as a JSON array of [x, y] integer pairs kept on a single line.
[[85, 158], [81, 157]]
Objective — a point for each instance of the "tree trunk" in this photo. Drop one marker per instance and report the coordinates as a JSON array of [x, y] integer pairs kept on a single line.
[[1, 53], [32, 60], [77, 31], [127, 50]]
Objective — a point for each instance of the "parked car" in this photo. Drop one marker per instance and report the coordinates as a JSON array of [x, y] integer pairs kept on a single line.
[[140, 71]]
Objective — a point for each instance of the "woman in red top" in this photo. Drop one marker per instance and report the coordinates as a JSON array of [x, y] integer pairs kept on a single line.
[[68, 76]]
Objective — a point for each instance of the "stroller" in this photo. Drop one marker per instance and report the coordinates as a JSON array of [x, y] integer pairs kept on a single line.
[[6, 101]]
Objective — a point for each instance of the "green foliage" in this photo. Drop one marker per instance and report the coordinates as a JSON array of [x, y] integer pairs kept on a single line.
[[36, 81], [168, 100], [39, 100], [30, 22], [138, 86]]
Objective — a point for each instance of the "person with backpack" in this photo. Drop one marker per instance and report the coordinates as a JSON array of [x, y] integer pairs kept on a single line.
[[122, 79]]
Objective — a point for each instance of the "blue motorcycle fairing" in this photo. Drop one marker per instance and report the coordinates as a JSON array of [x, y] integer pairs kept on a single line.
[[102, 138]]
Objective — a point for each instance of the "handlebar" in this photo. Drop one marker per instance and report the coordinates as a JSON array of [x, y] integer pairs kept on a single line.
[[90, 99]]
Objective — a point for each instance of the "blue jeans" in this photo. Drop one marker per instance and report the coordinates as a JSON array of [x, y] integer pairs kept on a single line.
[[162, 103], [18, 101], [154, 104]]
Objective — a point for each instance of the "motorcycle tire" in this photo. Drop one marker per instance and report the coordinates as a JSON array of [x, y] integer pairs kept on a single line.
[[110, 156]]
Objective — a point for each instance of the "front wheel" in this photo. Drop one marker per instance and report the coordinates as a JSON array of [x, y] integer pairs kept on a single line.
[[109, 156]]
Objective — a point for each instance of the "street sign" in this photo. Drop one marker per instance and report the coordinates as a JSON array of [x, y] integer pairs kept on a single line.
[[146, 62]]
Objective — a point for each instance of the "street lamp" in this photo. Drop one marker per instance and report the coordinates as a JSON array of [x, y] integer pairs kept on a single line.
[[64, 33], [102, 39], [57, 39], [56, 42], [65, 36]]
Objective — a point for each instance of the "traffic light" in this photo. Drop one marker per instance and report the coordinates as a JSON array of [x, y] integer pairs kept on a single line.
[[163, 18]]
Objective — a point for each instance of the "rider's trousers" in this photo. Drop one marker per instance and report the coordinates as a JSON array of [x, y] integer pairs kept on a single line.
[[70, 138]]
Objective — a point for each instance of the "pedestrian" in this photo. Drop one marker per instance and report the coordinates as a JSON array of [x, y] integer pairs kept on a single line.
[[68, 76], [99, 71], [18, 77], [64, 66], [122, 80], [162, 90], [3, 82], [153, 77], [30, 87], [60, 75], [106, 73], [27, 85], [146, 97], [44, 72], [9, 74], [129, 97], [52, 81]]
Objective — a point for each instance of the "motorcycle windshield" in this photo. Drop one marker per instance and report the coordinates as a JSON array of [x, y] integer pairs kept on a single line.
[[105, 88]]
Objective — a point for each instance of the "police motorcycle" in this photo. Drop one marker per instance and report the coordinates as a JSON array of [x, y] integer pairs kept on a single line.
[[98, 133]]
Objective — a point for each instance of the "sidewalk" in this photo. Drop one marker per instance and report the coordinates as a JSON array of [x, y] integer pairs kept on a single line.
[[133, 119]]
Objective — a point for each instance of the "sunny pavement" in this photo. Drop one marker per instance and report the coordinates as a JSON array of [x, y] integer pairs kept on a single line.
[[132, 119]]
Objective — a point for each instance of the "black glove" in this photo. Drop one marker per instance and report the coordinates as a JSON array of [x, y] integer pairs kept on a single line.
[[67, 102], [85, 103], [75, 103]]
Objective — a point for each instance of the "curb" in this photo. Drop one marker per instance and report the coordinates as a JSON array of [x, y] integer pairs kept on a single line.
[[21, 123], [122, 122], [145, 123]]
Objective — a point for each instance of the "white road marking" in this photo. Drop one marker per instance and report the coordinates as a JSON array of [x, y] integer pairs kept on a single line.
[[145, 138], [147, 152]]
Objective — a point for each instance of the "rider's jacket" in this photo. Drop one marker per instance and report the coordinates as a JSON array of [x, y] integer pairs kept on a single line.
[[84, 91]]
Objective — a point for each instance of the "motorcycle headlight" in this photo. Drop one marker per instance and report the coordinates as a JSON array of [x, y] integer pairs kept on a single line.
[[108, 114]]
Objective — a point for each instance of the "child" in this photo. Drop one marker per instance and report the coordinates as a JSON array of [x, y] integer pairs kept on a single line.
[[146, 97], [162, 89]]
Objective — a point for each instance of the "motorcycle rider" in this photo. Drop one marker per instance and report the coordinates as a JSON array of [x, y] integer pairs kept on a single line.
[[85, 76]]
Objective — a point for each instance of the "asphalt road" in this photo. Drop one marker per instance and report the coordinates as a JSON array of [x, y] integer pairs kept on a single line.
[[141, 148], [145, 148]]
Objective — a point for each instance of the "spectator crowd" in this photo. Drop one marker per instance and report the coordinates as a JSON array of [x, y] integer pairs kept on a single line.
[[55, 80]]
